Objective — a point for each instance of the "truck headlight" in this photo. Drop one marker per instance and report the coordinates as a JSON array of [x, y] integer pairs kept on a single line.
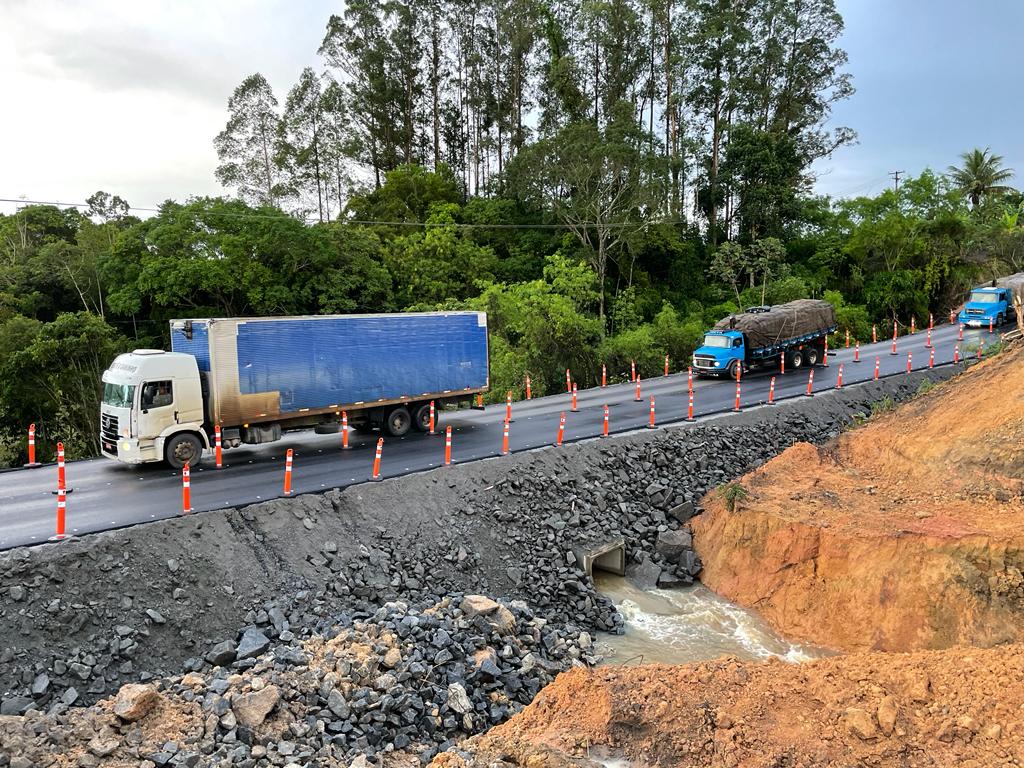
[[125, 446], [717, 364]]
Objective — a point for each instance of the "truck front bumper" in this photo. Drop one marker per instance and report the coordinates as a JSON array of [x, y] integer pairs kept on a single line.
[[125, 450], [976, 322]]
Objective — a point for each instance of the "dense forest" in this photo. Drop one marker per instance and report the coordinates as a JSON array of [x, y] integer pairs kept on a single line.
[[606, 178]]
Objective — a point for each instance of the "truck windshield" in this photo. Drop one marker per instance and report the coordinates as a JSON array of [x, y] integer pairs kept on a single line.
[[118, 395], [984, 297], [714, 340]]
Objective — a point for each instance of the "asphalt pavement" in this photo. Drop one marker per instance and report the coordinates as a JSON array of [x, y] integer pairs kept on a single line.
[[109, 495]]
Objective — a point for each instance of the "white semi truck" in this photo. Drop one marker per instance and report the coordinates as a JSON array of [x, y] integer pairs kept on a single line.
[[258, 377]]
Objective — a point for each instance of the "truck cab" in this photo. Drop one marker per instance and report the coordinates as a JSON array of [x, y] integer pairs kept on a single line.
[[721, 353], [987, 305], [152, 409]]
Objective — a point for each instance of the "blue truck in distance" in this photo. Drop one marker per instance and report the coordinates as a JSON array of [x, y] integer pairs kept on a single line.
[[993, 304], [258, 377], [762, 336]]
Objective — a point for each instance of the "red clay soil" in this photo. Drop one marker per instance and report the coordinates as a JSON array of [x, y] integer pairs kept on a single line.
[[906, 533], [932, 708]]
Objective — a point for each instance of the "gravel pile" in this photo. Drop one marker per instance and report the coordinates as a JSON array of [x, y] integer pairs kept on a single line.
[[79, 619], [408, 678]]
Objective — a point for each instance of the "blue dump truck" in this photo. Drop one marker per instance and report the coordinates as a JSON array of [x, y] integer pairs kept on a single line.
[[993, 303], [258, 377], [762, 336]]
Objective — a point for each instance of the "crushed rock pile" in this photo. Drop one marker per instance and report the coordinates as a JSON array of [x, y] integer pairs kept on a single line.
[[410, 679], [959, 707]]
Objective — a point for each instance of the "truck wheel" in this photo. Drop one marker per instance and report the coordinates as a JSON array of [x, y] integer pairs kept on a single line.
[[811, 355], [796, 359], [733, 366], [1000, 320], [398, 421], [421, 418], [183, 449]]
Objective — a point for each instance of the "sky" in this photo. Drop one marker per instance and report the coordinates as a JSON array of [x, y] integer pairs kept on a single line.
[[127, 96]]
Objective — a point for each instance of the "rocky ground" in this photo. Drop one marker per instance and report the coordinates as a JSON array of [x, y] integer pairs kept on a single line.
[[220, 594], [942, 708], [906, 533], [408, 680]]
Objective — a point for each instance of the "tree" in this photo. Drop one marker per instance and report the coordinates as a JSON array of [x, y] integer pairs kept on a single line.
[[602, 183], [247, 146], [299, 152], [767, 258], [762, 171], [980, 175], [728, 264]]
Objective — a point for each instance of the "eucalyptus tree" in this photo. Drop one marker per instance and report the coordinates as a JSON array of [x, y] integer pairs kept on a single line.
[[247, 147]]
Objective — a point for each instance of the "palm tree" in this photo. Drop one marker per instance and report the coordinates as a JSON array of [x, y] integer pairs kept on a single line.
[[980, 175]]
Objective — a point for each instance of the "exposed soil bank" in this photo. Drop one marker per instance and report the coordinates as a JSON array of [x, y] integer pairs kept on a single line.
[[907, 533], [938, 708], [79, 618]]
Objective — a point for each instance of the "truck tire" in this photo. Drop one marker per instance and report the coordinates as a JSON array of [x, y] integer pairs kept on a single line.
[[421, 418], [183, 448], [731, 369], [795, 359], [1000, 320], [398, 421], [812, 355]]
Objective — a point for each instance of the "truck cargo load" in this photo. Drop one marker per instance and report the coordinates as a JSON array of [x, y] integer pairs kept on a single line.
[[768, 327], [792, 334], [260, 369]]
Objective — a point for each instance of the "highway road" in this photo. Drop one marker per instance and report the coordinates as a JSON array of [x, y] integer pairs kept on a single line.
[[109, 495]]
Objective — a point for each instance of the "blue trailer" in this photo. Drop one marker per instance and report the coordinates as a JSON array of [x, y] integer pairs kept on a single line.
[[257, 377]]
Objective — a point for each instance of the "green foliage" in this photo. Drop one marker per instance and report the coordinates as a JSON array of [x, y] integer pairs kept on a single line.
[[884, 405], [733, 494], [51, 376], [542, 326], [850, 317]]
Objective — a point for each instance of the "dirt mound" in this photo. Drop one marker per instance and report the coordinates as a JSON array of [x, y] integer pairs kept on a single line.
[[938, 708], [906, 533]]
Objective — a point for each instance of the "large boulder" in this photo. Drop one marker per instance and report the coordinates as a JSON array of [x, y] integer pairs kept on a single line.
[[135, 701], [497, 615], [252, 644], [672, 544], [644, 574], [252, 708]]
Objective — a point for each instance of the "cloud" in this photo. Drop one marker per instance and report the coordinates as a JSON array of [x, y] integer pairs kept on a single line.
[[127, 97]]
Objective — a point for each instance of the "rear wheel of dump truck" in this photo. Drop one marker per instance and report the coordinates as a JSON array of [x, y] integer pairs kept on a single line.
[[183, 449], [794, 359], [421, 417], [812, 355], [398, 421]]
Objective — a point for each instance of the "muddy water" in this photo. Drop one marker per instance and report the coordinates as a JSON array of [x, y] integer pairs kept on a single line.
[[690, 624]]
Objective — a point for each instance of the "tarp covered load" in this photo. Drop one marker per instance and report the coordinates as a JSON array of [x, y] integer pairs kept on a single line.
[[1014, 282], [782, 322]]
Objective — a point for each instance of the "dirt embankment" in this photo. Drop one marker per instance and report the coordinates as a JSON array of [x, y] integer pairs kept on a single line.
[[905, 534], [937, 708]]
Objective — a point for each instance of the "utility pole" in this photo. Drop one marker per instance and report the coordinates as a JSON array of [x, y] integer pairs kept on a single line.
[[896, 176]]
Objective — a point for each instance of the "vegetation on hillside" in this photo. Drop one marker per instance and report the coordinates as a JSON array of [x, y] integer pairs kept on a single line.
[[605, 179]]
